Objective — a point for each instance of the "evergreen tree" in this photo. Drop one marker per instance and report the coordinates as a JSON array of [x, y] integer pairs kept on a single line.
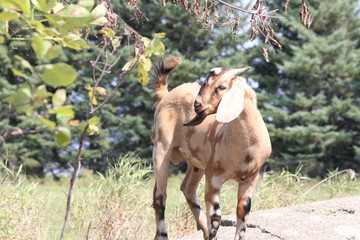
[[312, 90]]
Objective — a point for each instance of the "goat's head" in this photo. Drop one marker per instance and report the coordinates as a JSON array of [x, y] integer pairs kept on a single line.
[[221, 93]]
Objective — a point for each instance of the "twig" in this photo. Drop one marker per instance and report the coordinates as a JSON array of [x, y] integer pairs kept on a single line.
[[88, 231], [14, 131], [114, 90], [4, 179], [249, 12], [73, 180], [90, 112]]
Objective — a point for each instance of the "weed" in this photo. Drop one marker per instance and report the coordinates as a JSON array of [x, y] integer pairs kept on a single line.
[[19, 208], [117, 205]]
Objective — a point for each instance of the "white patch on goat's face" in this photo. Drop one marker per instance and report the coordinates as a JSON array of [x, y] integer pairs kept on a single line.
[[214, 71]]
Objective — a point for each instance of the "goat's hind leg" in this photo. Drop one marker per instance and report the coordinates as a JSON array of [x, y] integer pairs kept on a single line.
[[161, 161], [188, 187]]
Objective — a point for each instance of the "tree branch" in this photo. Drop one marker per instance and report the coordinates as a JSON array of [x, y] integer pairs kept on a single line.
[[15, 131], [90, 112], [249, 12], [73, 180]]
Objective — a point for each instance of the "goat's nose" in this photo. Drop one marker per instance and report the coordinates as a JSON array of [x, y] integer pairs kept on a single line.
[[197, 104]]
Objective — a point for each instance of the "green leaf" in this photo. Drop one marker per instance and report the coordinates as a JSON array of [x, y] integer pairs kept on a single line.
[[25, 63], [46, 5], [40, 96], [158, 47], [93, 101], [47, 122], [74, 15], [26, 88], [59, 74], [101, 21], [58, 7], [17, 72], [143, 75], [99, 11], [127, 66], [94, 121], [75, 42], [21, 99], [160, 35], [116, 43], [93, 129], [62, 136], [59, 97], [146, 41], [41, 91], [22, 5], [62, 118], [88, 4], [109, 32], [147, 64], [67, 111], [9, 15], [54, 51], [39, 26], [40, 46]]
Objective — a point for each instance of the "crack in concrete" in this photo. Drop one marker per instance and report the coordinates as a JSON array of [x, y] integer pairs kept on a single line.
[[263, 230], [228, 223], [349, 211]]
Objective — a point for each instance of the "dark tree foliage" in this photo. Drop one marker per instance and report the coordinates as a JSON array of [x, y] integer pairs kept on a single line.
[[308, 93], [312, 90]]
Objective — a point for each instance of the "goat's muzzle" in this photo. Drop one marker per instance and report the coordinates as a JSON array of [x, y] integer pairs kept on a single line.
[[199, 118]]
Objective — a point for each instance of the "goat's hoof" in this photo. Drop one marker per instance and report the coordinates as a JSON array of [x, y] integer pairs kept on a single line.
[[161, 237]]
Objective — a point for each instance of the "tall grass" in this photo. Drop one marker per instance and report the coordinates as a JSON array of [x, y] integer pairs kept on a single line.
[[125, 207], [117, 204], [19, 216]]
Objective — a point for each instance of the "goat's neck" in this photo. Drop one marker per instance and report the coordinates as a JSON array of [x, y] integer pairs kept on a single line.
[[243, 130]]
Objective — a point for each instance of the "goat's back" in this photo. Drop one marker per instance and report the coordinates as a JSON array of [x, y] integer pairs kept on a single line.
[[178, 103], [173, 110]]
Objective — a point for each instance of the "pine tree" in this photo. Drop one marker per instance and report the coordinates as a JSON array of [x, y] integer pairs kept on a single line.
[[312, 90]]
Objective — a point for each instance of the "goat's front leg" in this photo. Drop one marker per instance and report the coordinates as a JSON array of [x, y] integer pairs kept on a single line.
[[245, 191], [188, 187], [161, 166], [213, 184]]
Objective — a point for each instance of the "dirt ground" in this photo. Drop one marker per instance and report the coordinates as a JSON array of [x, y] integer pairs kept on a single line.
[[335, 219]]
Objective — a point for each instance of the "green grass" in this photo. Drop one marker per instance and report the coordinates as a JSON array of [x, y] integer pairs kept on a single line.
[[117, 205]]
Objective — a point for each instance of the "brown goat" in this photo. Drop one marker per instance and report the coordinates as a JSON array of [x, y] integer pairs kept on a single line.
[[219, 131]]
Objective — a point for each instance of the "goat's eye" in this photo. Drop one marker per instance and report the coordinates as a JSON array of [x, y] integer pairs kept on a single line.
[[221, 87]]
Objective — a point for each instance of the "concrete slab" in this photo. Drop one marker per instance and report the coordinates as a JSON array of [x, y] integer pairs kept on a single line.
[[335, 219]]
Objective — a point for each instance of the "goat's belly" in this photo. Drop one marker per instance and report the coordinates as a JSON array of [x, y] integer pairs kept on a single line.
[[191, 159]]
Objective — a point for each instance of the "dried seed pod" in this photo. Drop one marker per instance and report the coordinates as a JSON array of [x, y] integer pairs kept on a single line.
[[305, 14], [286, 4], [256, 5], [266, 55]]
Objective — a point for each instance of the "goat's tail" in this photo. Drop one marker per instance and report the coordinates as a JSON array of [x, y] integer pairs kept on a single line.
[[160, 72]]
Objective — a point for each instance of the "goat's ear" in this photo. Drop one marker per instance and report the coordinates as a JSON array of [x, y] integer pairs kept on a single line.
[[231, 104]]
